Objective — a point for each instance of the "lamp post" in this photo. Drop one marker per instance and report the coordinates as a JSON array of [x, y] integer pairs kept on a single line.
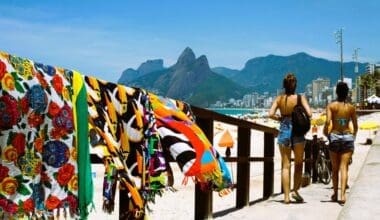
[[339, 40], [355, 56]]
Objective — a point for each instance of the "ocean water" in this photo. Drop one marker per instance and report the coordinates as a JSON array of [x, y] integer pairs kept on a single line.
[[234, 111]]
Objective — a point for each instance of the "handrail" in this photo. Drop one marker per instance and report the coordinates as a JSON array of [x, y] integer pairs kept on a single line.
[[215, 116], [366, 111]]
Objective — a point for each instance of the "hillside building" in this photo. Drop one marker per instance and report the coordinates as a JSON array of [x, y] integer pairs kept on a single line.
[[371, 68], [319, 88], [309, 92]]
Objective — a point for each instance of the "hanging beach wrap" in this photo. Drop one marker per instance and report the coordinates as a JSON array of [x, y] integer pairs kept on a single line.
[[85, 184], [123, 133], [188, 145], [38, 166]]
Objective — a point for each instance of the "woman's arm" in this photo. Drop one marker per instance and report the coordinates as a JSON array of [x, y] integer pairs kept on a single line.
[[272, 112], [306, 106], [354, 120], [328, 119]]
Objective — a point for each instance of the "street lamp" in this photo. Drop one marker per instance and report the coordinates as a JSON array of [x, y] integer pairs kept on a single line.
[[355, 56], [339, 40]]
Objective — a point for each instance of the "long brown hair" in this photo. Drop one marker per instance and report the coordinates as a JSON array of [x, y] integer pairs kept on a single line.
[[290, 84], [342, 91]]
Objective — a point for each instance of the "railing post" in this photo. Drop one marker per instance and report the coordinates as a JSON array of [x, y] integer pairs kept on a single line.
[[314, 155], [123, 203], [268, 165], [243, 167], [308, 157], [203, 199]]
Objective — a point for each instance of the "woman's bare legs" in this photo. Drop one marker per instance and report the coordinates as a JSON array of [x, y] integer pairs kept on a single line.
[[285, 171], [335, 163], [298, 165], [345, 159]]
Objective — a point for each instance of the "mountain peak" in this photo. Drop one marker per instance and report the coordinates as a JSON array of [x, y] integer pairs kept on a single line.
[[187, 57], [145, 68], [301, 54], [151, 66], [202, 60]]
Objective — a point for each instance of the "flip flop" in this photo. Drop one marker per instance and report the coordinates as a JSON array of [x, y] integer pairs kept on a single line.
[[297, 197]]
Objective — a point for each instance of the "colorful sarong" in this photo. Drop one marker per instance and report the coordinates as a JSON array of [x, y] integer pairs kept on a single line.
[[38, 166], [188, 145], [123, 133]]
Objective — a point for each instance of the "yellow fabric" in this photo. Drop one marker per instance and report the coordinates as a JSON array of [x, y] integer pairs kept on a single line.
[[77, 85]]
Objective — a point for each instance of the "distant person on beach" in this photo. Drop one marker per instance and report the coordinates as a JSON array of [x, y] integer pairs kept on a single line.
[[341, 137], [285, 103]]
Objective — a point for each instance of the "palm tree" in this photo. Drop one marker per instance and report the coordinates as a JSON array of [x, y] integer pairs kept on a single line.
[[368, 82], [377, 81]]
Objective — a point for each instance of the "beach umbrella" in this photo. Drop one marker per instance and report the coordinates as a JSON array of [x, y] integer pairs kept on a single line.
[[369, 125], [226, 141], [373, 99]]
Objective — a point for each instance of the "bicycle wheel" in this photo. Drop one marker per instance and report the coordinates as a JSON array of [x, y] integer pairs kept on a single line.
[[324, 172], [318, 168]]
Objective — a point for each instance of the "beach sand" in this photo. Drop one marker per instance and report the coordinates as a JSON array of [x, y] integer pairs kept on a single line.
[[180, 204]]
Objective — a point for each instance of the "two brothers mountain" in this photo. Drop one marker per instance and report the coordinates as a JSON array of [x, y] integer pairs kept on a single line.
[[192, 80]]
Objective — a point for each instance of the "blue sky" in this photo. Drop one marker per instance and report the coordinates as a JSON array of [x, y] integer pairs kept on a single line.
[[103, 38]]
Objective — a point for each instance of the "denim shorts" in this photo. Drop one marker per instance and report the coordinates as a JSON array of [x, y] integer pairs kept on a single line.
[[285, 134], [341, 142]]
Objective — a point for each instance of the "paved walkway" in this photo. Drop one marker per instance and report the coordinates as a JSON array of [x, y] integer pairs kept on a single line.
[[364, 199], [317, 203]]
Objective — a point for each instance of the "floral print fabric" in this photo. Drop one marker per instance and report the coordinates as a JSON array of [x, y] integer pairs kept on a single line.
[[38, 164]]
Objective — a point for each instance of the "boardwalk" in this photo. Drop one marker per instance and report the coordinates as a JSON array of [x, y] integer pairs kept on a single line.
[[317, 203]]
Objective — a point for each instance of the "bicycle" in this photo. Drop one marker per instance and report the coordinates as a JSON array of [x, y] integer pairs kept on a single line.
[[323, 163]]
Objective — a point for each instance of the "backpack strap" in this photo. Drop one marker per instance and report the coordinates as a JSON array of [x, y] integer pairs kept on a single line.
[[298, 103], [299, 99]]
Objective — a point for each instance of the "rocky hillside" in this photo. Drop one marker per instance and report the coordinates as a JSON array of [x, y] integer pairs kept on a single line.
[[190, 79]]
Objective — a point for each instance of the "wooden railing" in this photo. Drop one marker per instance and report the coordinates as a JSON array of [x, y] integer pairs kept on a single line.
[[203, 199], [205, 119], [366, 111]]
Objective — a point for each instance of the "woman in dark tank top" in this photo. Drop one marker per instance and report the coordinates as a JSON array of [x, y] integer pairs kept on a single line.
[[286, 141]]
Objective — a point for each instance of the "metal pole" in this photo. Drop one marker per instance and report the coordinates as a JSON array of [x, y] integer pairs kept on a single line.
[[356, 70], [355, 58], [341, 54], [339, 39]]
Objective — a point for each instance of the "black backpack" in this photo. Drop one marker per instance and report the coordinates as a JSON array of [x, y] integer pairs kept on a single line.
[[300, 119]]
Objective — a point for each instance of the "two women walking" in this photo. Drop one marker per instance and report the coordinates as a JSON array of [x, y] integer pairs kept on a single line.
[[339, 114]]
